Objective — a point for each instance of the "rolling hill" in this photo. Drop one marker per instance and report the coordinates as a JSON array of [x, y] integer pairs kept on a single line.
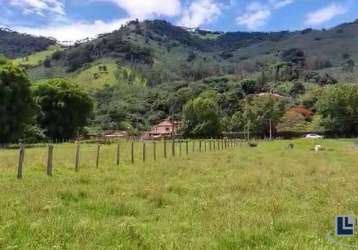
[[14, 44], [158, 52], [147, 71]]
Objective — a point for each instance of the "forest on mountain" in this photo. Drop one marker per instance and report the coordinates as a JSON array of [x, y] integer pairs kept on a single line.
[[236, 82]]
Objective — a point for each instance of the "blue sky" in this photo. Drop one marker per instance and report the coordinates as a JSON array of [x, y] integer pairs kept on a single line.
[[69, 20]]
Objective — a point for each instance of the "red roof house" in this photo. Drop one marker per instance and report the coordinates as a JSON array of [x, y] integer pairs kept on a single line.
[[164, 129]]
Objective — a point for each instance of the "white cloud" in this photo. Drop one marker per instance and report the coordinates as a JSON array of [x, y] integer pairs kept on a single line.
[[64, 29], [255, 16], [199, 12], [257, 13], [143, 9], [39, 7], [75, 31], [325, 14], [277, 4]]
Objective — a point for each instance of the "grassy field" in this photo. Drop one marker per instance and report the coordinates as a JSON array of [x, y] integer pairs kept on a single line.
[[87, 80], [38, 57], [267, 197]]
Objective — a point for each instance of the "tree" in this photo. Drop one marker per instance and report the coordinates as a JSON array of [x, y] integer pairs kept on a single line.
[[258, 113], [201, 117], [292, 122], [16, 103], [297, 89], [348, 66], [338, 106], [65, 109]]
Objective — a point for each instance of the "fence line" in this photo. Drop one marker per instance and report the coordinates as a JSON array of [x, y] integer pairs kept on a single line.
[[211, 145]]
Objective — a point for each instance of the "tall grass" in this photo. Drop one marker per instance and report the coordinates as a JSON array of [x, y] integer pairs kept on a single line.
[[269, 197]]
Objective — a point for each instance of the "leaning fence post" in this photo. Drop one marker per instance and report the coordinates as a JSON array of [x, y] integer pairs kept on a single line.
[[49, 160], [77, 160], [98, 152], [143, 152], [21, 161], [118, 154]]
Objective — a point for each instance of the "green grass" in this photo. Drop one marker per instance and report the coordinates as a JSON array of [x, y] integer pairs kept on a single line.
[[267, 197], [92, 78], [37, 59]]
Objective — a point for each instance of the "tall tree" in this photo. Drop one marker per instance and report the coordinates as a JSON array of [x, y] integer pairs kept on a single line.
[[65, 109], [258, 114], [16, 103], [201, 117], [338, 106]]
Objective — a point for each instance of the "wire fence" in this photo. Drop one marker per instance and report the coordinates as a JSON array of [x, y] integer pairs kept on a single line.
[[80, 155]]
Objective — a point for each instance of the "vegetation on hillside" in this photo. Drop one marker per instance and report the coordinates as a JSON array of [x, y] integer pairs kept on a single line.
[[14, 44], [148, 71]]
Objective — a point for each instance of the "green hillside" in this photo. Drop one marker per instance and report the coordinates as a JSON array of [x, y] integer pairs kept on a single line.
[[14, 44], [147, 71], [101, 73], [37, 58], [161, 52]]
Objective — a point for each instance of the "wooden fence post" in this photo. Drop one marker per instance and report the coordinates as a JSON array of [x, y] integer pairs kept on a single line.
[[200, 146], [180, 151], [21, 161], [118, 154], [49, 160], [187, 147], [143, 151], [210, 144], [97, 157], [205, 146], [132, 152], [77, 159], [193, 146], [165, 148], [154, 151], [173, 147]]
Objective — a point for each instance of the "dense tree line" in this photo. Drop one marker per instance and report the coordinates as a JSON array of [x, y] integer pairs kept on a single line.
[[53, 109], [56, 109], [224, 104]]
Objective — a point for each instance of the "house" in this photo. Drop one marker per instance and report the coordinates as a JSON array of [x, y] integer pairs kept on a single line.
[[164, 129], [268, 94], [114, 134], [106, 135]]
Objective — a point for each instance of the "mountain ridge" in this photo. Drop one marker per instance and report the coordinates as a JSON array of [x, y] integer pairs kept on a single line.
[[157, 49]]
